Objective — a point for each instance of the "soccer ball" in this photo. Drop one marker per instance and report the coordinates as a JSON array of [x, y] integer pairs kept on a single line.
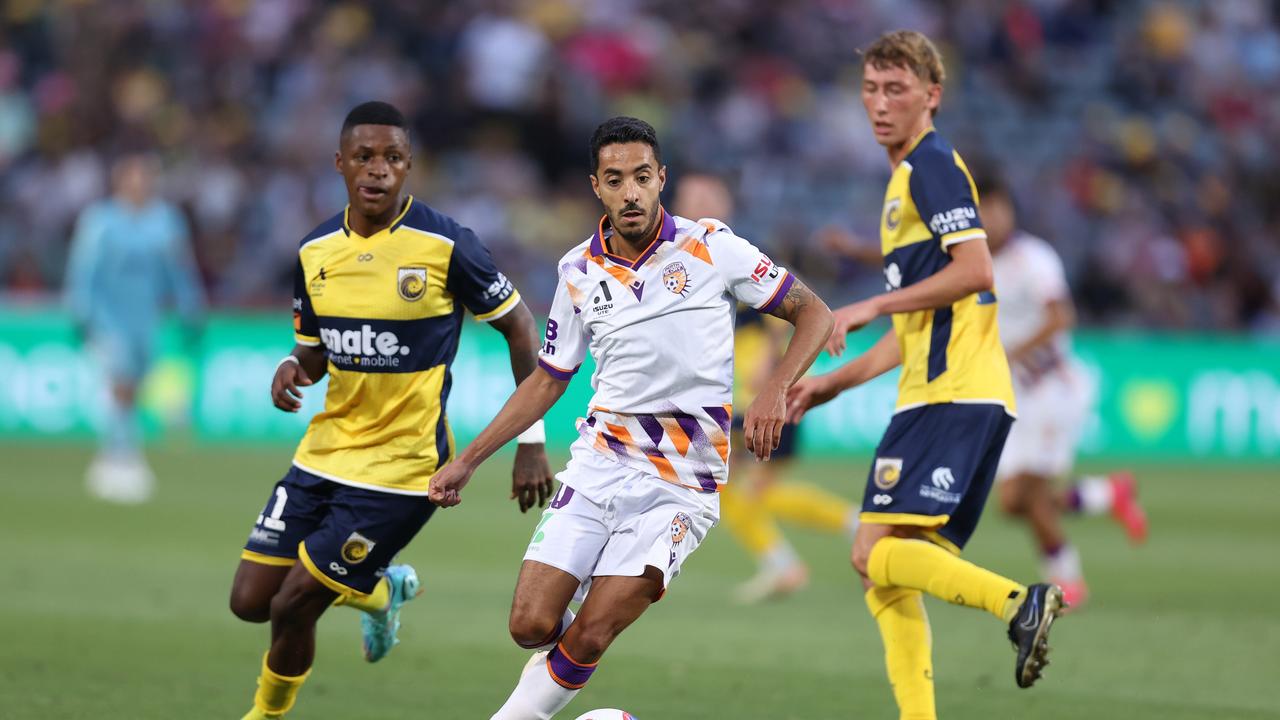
[[606, 714]]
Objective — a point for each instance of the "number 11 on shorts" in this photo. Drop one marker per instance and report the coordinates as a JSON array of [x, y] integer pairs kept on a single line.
[[273, 521]]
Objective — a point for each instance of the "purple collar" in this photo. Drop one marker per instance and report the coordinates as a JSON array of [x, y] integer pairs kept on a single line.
[[666, 233]]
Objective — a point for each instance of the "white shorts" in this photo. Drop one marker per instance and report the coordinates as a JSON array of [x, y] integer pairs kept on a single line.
[[1051, 415], [638, 520]]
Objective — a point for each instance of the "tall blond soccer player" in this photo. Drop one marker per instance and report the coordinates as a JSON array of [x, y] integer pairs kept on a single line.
[[935, 465]]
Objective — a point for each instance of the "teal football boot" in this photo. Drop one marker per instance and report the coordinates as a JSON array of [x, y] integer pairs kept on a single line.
[[379, 629]]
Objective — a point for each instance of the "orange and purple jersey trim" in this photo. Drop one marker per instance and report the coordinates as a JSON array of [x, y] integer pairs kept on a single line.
[[686, 449]]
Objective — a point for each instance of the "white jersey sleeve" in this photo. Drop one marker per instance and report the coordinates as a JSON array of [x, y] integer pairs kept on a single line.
[[1045, 273], [565, 342], [751, 277]]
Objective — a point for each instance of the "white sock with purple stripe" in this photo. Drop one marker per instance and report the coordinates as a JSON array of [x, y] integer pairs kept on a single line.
[[1062, 565], [1093, 495], [545, 688]]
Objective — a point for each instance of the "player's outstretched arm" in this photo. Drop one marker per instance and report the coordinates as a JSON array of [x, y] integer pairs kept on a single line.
[[521, 334], [531, 479], [762, 426], [531, 400], [300, 368], [810, 392], [968, 272]]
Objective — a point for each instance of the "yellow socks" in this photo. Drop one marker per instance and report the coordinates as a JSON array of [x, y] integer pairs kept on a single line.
[[908, 646], [748, 521], [376, 601], [276, 694], [924, 566], [809, 505]]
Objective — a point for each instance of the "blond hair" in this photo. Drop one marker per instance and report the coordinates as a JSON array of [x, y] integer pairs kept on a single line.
[[906, 49]]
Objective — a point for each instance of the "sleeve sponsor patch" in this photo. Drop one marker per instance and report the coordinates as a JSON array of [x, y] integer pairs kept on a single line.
[[499, 289], [764, 267], [961, 218]]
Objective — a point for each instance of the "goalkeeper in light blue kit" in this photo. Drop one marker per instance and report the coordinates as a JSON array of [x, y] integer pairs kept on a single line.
[[130, 256]]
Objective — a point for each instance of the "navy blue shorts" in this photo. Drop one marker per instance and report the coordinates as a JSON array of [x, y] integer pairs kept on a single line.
[[934, 468], [346, 536]]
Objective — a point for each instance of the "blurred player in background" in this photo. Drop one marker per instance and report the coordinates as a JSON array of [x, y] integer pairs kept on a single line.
[[130, 256], [379, 296], [758, 495], [1054, 394], [935, 465], [652, 297]]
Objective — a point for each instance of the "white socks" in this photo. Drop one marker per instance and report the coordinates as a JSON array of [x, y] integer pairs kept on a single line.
[[851, 523], [1063, 566], [1095, 494], [545, 687], [779, 558]]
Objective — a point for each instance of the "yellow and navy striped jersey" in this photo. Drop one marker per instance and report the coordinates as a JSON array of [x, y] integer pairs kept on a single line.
[[388, 310], [950, 354]]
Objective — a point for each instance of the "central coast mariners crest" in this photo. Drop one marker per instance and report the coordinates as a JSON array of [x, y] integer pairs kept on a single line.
[[893, 213], [675, 278], [356, 549], [412, 283], [887, 472]]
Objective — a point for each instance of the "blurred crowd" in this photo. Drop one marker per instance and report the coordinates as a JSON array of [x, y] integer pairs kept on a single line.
[[1139, 136]]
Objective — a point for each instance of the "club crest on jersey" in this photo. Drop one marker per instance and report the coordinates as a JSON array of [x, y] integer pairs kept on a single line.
[[675, 278], [893, 213], [887, 472], [411, 282], [356, 549], [680, 525]]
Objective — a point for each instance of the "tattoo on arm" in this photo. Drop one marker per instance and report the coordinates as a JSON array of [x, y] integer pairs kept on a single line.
[[798, 297]]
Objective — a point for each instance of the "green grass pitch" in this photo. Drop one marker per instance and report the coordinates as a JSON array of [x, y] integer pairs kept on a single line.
[[110, 612]]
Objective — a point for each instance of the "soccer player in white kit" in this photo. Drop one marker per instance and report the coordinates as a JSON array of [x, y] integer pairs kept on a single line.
[[652, 298], [1054, 395]]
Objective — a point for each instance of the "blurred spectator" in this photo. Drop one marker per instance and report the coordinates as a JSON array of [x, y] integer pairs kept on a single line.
[[1139, 135]]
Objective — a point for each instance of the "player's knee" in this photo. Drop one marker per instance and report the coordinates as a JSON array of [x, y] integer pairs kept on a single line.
[[249, 607], [1012, 495], [296, 606], [587, 643], [530, 629], [859, 558], [284, 607], [1010, 499]]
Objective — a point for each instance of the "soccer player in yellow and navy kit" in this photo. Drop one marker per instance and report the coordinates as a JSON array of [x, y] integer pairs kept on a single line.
[[936, 462], [380, 290]]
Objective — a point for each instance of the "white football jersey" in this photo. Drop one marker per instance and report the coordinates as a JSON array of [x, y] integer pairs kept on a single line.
[[1028, 276], [660, 330]]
